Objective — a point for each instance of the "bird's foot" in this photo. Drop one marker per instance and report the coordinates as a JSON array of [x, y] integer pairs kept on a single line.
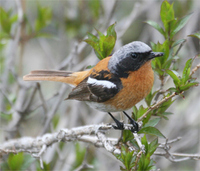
[[120, 125], [135, 127]]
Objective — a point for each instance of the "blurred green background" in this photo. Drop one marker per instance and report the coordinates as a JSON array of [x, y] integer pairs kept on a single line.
[[50, 37]]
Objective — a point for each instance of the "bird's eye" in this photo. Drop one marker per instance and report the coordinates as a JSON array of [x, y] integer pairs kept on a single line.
[[133, 55]]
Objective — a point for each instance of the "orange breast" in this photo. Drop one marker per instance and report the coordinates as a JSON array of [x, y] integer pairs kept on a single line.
[[136, 87]]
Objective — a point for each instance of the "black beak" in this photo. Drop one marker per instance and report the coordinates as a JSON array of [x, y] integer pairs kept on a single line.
[[155, 54]]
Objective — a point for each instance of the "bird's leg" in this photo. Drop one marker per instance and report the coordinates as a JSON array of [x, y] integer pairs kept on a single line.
[[133, 122], [119, 124]]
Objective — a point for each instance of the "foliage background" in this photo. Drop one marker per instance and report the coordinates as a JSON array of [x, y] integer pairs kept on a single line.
[[56, 43]]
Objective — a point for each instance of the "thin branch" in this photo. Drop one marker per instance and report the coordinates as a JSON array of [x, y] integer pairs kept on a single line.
[[162, 145], [43, 149], [179, 48], [44, 105], [195, 69], [36, 106], [155, 106], [54, 108], [5, 95], [137, 159], [83, 133], [142, 147], [107, 145], [172, 156], [93, 134], [183, 156]]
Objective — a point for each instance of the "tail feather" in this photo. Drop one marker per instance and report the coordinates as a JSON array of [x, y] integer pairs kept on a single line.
[[50, 75], [68, 77]]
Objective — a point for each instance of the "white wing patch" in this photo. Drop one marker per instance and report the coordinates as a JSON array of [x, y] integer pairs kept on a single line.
[[103, 83]]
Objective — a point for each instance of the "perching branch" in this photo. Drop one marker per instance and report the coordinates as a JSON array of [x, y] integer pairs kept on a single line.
[[93, 134]]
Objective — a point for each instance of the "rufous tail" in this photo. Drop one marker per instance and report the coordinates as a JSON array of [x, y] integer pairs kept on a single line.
[[68, 77]]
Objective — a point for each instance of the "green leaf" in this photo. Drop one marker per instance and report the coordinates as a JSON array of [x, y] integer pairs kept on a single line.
[[152, 131], [166, 14], [164, 106], [186, 71], [174, 77], [126, 157], [196, 35], [99, 55], [177, 42], [128, 160], [156, 26], [15, 161], [152, 122], [149, 97], [144, 162], [134, 113], [127, 136], [93, 37], [145, 143], [111, 31], [104, 45], [139, 112], [153, 146], [108, 45], [180, 24], [187, 86]]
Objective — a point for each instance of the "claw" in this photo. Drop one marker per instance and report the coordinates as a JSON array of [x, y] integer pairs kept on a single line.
[[135, 127], [119, 124]]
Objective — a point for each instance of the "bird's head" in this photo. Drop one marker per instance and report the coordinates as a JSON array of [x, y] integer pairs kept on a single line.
[[131, 57]]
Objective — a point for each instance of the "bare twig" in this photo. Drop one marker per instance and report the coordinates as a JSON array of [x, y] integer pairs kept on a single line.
[[37, 144], [172, 156], [84, 133], [43, 149], [142, 147], [183, 155], [137, 159], [195, 69], [55, 106], [179, 48], [44, 105]]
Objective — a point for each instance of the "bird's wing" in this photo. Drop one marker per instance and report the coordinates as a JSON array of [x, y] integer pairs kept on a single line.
[[96, 88]]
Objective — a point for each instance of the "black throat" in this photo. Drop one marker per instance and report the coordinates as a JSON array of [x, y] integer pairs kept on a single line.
[[129, 64]]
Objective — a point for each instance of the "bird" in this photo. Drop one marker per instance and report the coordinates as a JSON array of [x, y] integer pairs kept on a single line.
[[115, 83]]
